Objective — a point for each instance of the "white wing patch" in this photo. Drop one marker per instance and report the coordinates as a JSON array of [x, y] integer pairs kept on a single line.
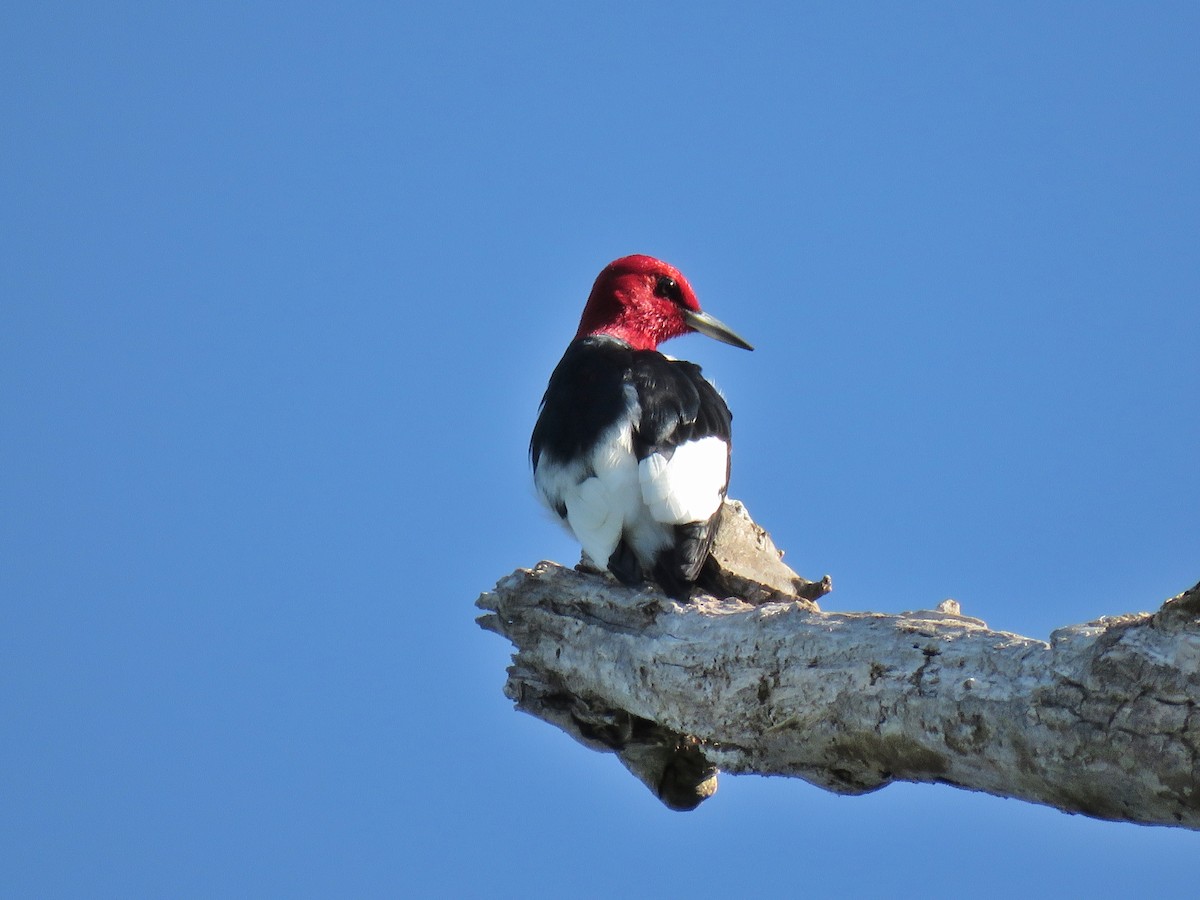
[[687, 487]]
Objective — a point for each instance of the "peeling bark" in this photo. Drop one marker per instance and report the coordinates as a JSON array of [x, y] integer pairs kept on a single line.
[[1101, 720]]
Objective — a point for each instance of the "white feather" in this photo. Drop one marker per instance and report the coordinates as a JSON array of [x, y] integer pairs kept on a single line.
[[609, 494], [601, 493], [687, 487]]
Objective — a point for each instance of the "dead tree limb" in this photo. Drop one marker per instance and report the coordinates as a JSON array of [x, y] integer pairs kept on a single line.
[[1101, 720]]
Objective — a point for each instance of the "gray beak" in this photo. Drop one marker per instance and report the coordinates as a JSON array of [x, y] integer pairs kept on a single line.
[[714, 328]]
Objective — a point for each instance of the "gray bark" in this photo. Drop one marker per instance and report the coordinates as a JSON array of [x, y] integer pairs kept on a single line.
[[1101, 720]]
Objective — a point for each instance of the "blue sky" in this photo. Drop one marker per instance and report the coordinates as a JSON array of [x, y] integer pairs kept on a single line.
[[282, 287]]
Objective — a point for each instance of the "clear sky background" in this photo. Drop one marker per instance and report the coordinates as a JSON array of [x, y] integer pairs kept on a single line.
[[281, 287]]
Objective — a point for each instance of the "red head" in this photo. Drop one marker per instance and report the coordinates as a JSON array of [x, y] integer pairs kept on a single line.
[[644, 301]]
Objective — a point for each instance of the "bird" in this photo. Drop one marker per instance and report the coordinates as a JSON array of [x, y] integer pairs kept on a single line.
[[631, 448]]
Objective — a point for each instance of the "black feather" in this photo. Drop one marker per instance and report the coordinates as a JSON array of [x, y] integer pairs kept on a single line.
[[594, 385], [585, 397]]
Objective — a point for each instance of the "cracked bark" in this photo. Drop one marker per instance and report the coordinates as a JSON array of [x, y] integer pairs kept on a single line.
[[1101, 720]]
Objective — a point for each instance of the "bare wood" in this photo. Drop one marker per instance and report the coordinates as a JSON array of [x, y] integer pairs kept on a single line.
[[1101, 720]]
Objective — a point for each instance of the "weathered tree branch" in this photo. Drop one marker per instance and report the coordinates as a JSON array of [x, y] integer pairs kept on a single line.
[[1102, 720]]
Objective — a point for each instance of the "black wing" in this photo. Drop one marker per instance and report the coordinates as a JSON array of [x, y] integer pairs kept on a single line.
[[679, 405], [585, 397]]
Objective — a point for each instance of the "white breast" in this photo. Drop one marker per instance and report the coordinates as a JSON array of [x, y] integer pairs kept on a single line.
[[600, 505]]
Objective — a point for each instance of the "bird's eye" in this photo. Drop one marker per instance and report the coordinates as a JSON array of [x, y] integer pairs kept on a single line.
[[668, 287]]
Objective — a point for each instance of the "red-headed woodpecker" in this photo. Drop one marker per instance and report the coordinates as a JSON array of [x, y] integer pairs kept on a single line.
[[631, 448]]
